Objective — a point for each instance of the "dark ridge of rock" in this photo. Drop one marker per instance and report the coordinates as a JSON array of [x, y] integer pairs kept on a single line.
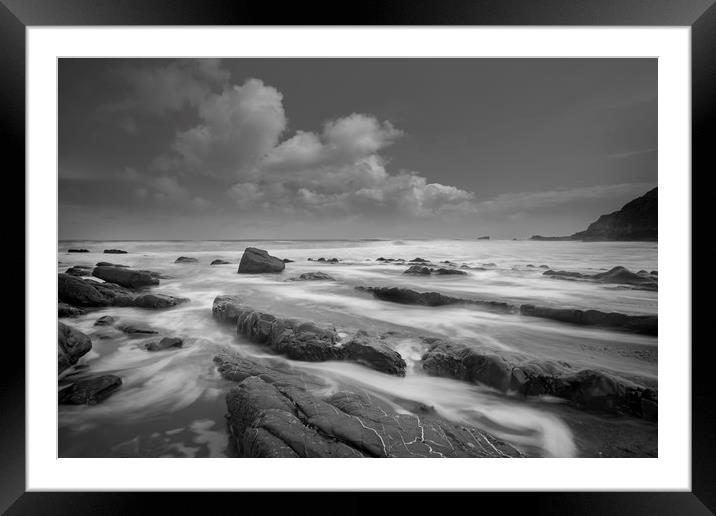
[[287, 260], [447, 272], [90, 391], [586, 389], [65, 310], [324, 260], [78, 251], [255, 261], [646, 324], [419, 260], [411, 297], [489, 264], [77, 292], [165, 343], [129, 278], [271, 414], [483, 238], [137, 329], [306, 341], [390, 260], [79, 270], [114, 251], [565, 274], [418, 269], [219, 262], [370, 351], [155, 301], [530, 266], [654, 273], [544, 266], [635, 221], [185, 259], [107, 264], [618, 275], [105, 320], [71, 345], [314, 276], [550, 238]]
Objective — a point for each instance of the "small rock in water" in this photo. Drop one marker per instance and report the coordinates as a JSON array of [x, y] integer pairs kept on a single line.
[[114, 251], [418, 269], [219, 262], [286, 260], [185, 259], [90, 391], [314, 276], [138, 329], [105, 320], [107, 264], [442, 271], [78, 251], [165, 343]]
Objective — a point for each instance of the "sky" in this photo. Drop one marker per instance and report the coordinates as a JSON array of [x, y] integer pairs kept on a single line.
[[165, 149]]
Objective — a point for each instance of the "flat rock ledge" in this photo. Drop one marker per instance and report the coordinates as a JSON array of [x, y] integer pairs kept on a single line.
[[586, 389], [90, 391], [301, 340], [272, 414]]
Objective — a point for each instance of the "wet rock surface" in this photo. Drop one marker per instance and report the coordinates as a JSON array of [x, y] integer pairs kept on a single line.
[[645, 324], [114, 251], [219, 262], [272, 414], [72, 344], [126, 277], [186, 259], [586, 389], [411, 297], [165, 343], [616, 275], [314, 276], [306, 341], [90, 391], [256, 261]]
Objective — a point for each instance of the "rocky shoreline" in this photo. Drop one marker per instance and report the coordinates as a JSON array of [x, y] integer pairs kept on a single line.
[[278, 412]]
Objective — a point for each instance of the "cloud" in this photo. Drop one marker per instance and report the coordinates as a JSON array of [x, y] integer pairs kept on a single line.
[[237, 128]]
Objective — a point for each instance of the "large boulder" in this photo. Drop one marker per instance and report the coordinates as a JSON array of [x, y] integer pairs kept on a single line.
[[256, 261], [164, 343], [272, 414], [79, 270], [129, 278], [90, 391], [227, 309], [71, 345]]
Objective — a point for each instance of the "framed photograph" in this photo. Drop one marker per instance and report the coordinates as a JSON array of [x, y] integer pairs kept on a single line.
[[445, 236]]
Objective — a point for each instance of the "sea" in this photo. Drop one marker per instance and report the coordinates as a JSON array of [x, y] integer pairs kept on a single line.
[[171, 403]]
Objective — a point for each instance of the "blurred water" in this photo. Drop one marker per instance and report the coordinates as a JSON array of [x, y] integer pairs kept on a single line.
[[171, 402]]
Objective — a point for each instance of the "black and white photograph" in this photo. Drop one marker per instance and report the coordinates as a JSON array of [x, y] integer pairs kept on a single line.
[[357, 257]]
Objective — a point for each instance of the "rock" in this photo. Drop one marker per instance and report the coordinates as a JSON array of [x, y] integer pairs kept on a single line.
[[114, 251], [137, 329], [646, 324], [271, 414], [286, 260], [564, 274], [126, 277], [226, 309], [78, 251], [373, 353], [587, 389], [105, 320], [617, 274], [411, 297], [489, 265], [75, 291], [220, 262], [544, 267], [185, 259], [90, 391], [420, 260], [332, 260], [418, 269], [654, 273], [157, 301], [107, 264], [483, 238], [65, 310], [306, 341], [256, 261], [165, 343], [314, 276], [79, 270], [71, 345], [550, 238], [443, 272], [530, 266]]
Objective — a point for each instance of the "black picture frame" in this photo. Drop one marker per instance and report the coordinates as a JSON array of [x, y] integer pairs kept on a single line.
[[700, 15]]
